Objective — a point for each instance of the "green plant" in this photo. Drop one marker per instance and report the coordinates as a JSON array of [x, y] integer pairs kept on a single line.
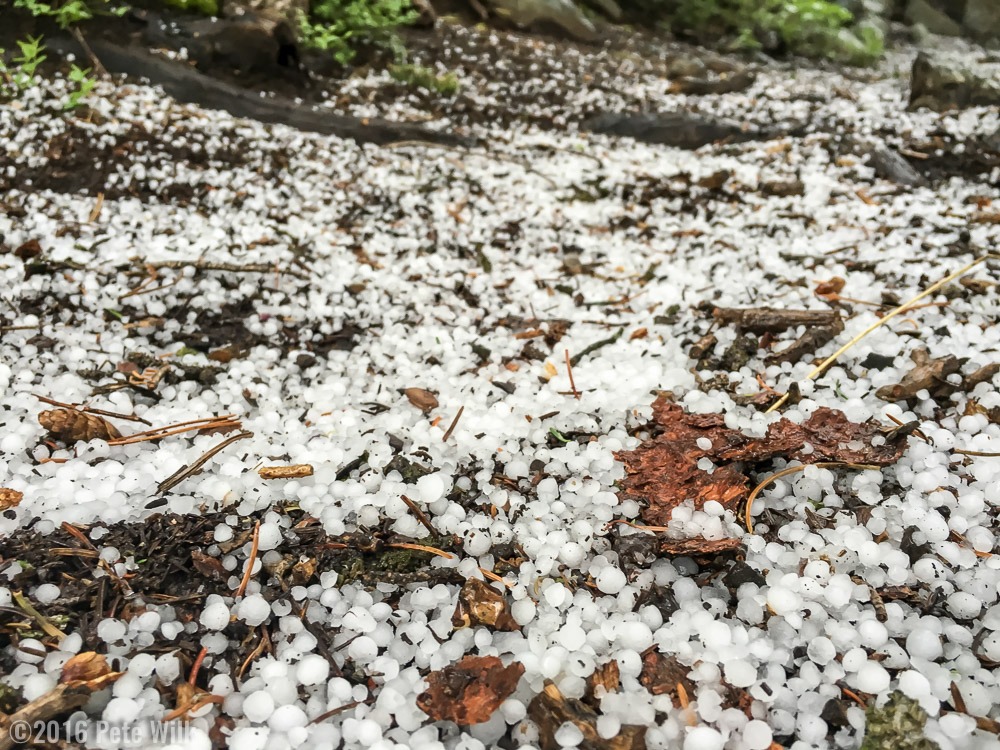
[[20, 77], [425, 78], [68, 12], [809, 27], [340, 26], [205, 7], [84, 86]]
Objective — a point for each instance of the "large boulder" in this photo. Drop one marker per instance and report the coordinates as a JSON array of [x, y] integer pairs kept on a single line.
[[942, 85], [932, 18], [982, 19]]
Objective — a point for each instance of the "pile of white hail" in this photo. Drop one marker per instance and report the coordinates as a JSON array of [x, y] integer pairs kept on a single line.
[[429, 252]]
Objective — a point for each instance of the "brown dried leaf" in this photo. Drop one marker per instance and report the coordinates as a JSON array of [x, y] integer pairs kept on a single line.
[[481, 604], [831, 287], [71, 425], [470, 691], [927, 373], [550, 709], [422, 399], [10, 498], [85, 667], [303, 571], [983, 375], [661, 674], [638, 333], [664, 471], [209, 566], [28, 250], [296, 471]]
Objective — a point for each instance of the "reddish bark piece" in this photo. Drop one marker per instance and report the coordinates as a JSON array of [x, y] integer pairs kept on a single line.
[[470, 691], [481, 604], [661, 674], [607, 677], [664, 471], [550, 709], [72, 425], [698, 546]]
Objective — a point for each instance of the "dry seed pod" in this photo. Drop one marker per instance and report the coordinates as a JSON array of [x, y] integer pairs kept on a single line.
[[423, 400], [72, 425]]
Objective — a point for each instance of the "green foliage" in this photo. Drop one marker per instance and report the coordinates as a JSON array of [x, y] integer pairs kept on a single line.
[[809, 27], [340, 26], [205, 7], [425, 78], [84, 86], [68, 12], [18, 78], [898, 725]]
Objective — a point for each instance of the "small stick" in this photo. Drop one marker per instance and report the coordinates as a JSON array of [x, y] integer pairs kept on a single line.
[[89, 410], [981, 454], [188, 707], [569, 370], [97, 66], [253, 558], [183, 473], [822, 366], [792, 470], [335, 711], [899, 423], [419, 514], [454, 423], [206, 265]]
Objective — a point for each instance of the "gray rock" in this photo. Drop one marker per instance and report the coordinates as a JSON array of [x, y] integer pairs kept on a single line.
[[680, 129], [935, 20], [982, 19], [890, 165], [563, 13], [941, 86]]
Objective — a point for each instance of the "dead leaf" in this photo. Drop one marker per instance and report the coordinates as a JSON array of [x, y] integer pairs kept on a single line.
[[664, 470], [28, 250], [85, 667], [470, 691], [10, 498], [71, 425], [296, 471], [209, 566], [422, 399], [303, 571], [927, 374], [831, 287], [661, 674], [550, 709], [481, 604], [638, 333]]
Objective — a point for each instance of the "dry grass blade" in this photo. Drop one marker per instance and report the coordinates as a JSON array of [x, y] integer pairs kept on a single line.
[[45, 625], [792, 470], [822, 366], [250, 561]]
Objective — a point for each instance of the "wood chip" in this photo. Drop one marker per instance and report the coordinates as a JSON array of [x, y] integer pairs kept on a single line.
[[296, 471], [10, 498]]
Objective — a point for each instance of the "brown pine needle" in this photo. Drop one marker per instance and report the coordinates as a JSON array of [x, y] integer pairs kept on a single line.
[[419, 513], [162, 432], [454, 424], [494, 577], [569, 370], [250, 561], [609, 524], [792, 470], [188, 708], [197, 665], [822, 366], [422, 548], [981, 454]]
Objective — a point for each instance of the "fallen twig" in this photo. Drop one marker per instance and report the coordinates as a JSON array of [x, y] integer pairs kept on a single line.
[[185, 471]]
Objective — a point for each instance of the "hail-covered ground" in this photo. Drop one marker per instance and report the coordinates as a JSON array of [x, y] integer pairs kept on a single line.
[[357, 272]]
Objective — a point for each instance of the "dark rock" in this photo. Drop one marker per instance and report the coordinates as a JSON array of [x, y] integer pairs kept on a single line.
[[741, 573], [876, 361], [891, 166], [679, 129]]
